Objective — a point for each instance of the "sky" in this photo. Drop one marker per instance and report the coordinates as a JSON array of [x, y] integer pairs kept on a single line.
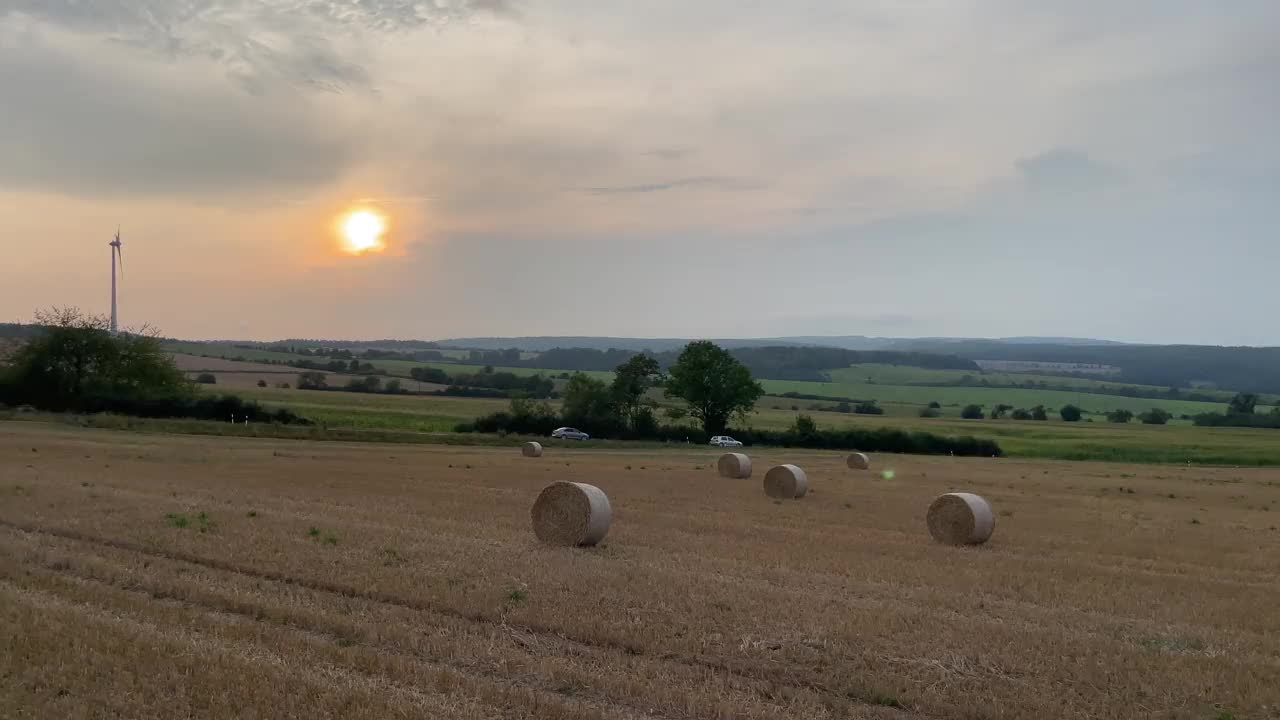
[[663, 168]]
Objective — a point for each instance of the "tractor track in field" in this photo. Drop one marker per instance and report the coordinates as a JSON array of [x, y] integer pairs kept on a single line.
[[775, 686]]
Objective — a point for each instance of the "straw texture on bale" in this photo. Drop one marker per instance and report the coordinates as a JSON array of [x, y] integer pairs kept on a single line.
[[734, 465], [569, 513], [786, 482], [859, 461], [532, 449], [961, 519]]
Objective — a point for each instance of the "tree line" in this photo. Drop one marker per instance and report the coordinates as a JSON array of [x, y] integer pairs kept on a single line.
[[716, 389], [1241, 368], [486, 383], [76, 364]]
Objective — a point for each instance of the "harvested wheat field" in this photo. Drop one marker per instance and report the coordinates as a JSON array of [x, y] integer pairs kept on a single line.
[[151, 576]]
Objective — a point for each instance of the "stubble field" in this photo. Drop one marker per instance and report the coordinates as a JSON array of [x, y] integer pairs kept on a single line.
[[153, 576]]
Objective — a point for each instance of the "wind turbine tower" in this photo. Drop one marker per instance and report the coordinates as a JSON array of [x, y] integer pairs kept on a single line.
[[117, 256]]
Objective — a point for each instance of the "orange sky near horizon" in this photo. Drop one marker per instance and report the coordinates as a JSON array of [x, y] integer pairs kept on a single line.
[[662, 168]]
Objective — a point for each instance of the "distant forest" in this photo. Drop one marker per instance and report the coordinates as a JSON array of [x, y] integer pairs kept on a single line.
[[775, 363], [1246, 369], [1235, 368]]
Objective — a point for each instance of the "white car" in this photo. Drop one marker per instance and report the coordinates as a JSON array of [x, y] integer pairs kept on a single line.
[[568, 433], [724, 441]]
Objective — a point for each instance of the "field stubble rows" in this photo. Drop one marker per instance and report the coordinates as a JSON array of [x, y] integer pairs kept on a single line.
[[159, 576]]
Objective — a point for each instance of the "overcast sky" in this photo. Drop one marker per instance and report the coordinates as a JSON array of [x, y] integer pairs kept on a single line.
[[657, 168]]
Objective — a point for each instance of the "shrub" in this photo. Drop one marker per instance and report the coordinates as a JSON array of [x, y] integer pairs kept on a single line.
[[312, 380], [76, 364], [935, 405], [868, 408], [1119, 416], [1242, 404], [1038, 413], [207, 379], [1071, 413], [1021, 414], [972, 412], [1219, 420], [1154, 416], [930, 412], [262, 383], [370, 384], [877, 440], [804, 427], [530, 418]]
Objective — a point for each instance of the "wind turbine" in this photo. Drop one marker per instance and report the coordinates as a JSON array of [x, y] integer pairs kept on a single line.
[[117, 255]]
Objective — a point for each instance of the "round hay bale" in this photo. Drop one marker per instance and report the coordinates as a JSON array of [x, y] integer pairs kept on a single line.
[[961, 519], [531, 449], [734, 465], [786, 482], [569, 513], [859, 461]]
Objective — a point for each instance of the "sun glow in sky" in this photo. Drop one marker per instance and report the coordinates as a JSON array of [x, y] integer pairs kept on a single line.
[[578, 158], [362, 230]]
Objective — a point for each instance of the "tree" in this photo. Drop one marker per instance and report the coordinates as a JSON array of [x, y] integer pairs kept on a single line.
[[392, 387], [935, 405], [429, 375], [1000, 410], [312, 380], [804, 427], [1021, 414], [1038, 413], [972, 412], [1119, 416], [1071, 413], [76, 363], [1154, 416], [370, 384], [207, 379], [631, 380], [930, 412], [868, 408], [715, 385], [1243, 404], [588, 403], [262, 383]]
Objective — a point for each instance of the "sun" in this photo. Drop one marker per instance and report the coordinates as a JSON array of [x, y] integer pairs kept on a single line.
[[363, 230]]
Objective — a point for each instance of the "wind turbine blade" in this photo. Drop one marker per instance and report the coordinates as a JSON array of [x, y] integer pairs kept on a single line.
[[120, 258]]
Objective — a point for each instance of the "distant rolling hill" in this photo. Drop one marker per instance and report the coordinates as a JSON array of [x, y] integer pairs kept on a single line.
[[844, 342]]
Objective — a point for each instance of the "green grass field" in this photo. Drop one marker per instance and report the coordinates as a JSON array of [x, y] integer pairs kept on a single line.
[[395, 416], [988, 397], [901, 391], [904, 375], [401, 368]]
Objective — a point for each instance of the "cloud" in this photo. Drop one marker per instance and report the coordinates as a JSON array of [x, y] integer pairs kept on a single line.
[[716, 183], [78, 127], [257, 42], [669, 153], [1065, 169]]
